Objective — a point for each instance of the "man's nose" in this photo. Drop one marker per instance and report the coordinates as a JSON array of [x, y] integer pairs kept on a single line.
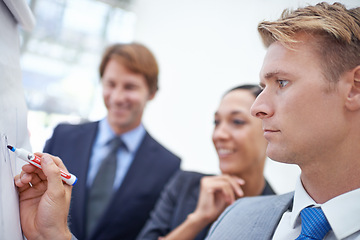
[[261, 108]]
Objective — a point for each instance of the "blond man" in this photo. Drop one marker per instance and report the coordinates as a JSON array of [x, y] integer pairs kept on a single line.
[[310, 108]]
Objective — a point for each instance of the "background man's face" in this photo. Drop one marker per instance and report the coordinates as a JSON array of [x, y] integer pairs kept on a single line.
[[125, 96]]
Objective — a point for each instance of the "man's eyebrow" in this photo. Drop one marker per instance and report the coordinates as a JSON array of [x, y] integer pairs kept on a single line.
[[276, 73], [271, 74]]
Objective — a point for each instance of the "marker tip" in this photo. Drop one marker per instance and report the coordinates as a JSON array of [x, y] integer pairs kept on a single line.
[[11, 148]]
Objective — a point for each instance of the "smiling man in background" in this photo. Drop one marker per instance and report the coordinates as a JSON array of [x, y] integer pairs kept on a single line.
[[120, 167]]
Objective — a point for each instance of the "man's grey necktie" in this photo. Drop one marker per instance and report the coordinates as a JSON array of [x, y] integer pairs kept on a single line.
[[101, 190]]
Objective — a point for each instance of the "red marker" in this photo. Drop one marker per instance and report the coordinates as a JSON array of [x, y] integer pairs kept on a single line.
[[35, 161]]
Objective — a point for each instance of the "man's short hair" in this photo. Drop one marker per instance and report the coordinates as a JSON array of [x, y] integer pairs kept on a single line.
[[335, 32], [135, 57]]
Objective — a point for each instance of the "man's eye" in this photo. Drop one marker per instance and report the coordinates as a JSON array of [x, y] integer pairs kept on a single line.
[[130, 87], [109, 85], [282, 83], [216, 122]]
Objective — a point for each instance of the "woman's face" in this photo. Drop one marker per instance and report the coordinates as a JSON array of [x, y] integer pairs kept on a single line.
[[238, 136]]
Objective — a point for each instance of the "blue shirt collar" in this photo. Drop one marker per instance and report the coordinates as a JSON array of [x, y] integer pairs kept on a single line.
[[132, 138]]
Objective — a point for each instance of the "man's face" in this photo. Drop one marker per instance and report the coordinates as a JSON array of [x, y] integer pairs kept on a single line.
[[125, 96], [303, 117]]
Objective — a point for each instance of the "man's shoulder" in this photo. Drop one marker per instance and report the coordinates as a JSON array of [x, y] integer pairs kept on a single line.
[[265, 200], [70, 133], [71, 126], [70, 129], [157, 148]]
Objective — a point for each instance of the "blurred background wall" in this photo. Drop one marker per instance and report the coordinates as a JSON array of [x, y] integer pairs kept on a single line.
[[204, 47]]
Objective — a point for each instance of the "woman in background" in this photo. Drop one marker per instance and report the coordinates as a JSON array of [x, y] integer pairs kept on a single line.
[[192, 201]]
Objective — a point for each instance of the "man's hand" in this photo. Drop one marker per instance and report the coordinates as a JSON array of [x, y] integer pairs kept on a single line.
[[44, 200]]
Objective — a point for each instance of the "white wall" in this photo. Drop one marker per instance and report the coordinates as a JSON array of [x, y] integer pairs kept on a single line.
[[205, 47]]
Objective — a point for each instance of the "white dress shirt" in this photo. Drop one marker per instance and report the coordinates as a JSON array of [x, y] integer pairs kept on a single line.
[[342, 212]]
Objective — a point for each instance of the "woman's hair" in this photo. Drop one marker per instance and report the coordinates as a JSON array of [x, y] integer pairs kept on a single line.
[[335, 33], [255, 90], [136, 58]]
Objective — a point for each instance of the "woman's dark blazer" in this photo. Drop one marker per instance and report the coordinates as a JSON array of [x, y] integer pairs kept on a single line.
[[177, 201]]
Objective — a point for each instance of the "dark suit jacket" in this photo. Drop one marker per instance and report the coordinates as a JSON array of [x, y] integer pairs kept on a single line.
[[177, 201], [251, 218], [152, 167]]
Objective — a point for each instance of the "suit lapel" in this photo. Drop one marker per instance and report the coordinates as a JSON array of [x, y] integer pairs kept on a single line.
[[80, 166], [271, 216], [251, 218]]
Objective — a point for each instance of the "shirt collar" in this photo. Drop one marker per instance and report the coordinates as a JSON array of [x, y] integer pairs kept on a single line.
[[342, 212], [301, 201], [132, 138]]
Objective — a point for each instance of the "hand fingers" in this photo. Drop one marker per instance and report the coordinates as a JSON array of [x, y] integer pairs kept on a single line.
[[22, 183], [228, 185], [52, 172], [56, 160], [228, 192], [29, 173], [25, 180], [235, 184], [28, 168], [218, 185]]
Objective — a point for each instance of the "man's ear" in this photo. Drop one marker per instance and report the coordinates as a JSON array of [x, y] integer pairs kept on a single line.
[[151, 96], [353, 99]]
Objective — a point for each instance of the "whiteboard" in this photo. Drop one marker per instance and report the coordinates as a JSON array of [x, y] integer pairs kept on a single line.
[[13, 110]]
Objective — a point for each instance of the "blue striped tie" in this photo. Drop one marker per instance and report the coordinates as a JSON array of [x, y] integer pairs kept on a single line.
[[314, 224]]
